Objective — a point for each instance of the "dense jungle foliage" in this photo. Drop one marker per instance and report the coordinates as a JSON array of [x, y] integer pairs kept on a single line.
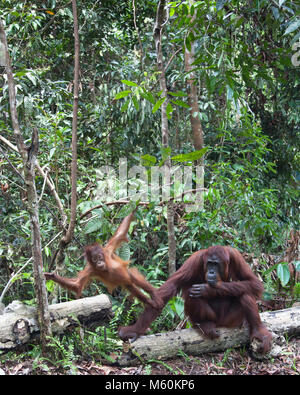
[[246, 67]]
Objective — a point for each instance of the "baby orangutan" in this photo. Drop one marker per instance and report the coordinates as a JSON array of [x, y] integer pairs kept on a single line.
[[104, 265]]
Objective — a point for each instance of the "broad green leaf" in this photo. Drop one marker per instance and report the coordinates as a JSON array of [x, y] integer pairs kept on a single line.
[[125, 106], [180, 103], [191, 156], [229, 93], [148, 160], [158, 104], [47, 251], [220, 4], [148, 96], [129, 83], [51, 153], [122, 94], [136, 103], [283, 273], [169, 110], [31, 78], [275, 12], [188, 44], [292, 27], [93, 226], [127, 209], [50, 286], [165, 152], [297, 266], [178, 93]]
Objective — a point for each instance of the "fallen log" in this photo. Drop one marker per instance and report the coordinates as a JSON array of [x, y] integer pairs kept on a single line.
[[167, 345], [19, 325]]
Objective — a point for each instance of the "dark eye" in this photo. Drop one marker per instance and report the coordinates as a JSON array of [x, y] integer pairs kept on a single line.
[[95, 259]]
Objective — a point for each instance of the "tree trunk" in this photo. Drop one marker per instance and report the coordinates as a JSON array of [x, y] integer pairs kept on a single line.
[[67, 237], [19, 324], [29, 162], [197, 131], [157, 34], [164, 346], [196, 126], [33, 209], [70, 231]]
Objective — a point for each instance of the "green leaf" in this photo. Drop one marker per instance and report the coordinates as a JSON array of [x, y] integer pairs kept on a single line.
[[169, 110], [178, 93], [129, 83], [148, 96], [122, 94], [148, 160], [191, 156], [165, 152], [127, 209], [293, 26], [158, 104], [50, 286], [47, 251], [297, 266], [135, 102], [220, 4], [31, 78], [125, 106], [283, 273], [93, 225], [188, 45], [124, 252], [180, 103], [229, 93], [275, 12], [270, 269]]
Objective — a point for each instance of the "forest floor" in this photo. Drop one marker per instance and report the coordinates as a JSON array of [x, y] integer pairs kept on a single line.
[[230, 362]]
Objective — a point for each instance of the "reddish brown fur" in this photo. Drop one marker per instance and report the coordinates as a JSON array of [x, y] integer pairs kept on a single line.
[[228, 303], [104, 265]]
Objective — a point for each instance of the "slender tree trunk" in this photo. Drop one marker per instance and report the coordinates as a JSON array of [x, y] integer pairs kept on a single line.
[[29, 162], [138, 35], [72, 224], [157, 33], [196, 126], [66, 239], [197, 131]]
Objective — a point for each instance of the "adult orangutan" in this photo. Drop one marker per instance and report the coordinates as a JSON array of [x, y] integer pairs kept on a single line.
[[219, 290], [103, 264]]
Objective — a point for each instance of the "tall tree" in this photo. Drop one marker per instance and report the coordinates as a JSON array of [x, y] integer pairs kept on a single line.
[[196, 126], [197, 131], [161, 20], [66, 239], [29, 155]]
